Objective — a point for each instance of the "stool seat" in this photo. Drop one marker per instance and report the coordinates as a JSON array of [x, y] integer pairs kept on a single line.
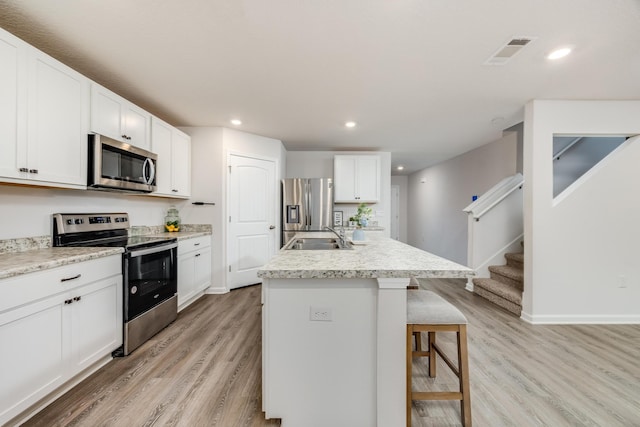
[[429, 308], [429, 312]]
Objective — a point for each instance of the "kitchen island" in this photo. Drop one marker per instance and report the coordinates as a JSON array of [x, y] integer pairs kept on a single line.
[[334, 331]]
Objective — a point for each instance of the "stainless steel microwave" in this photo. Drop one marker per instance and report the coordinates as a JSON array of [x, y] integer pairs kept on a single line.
[[115, 165]]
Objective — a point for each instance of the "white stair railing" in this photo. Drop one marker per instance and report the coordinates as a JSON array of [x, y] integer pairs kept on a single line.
[[495, 225]]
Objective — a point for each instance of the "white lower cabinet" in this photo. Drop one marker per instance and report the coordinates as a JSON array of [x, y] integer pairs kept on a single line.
[[194, 269], [53, 325]]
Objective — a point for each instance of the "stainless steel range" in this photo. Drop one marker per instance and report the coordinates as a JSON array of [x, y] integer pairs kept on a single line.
[[149, 268]]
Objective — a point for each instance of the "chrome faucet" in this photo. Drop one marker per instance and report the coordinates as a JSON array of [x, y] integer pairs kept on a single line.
[[340, 235]]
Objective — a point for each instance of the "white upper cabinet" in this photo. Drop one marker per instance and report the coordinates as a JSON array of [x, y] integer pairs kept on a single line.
[[173, 147], [44, 111], [12, 101], [58, 119], [117, 118], [356, 179]]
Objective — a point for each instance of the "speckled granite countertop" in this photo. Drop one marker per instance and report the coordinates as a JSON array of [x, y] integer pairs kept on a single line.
[[379, 257], [16, 263], [26, 255], [188, 231]]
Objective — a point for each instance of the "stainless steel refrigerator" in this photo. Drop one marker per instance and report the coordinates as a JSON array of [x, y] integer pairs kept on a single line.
[[307, 205]]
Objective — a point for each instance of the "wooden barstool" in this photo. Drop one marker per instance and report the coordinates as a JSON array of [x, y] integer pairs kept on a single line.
[[428, 312]]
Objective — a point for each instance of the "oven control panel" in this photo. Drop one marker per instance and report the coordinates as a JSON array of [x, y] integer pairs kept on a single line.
[[78, 223]]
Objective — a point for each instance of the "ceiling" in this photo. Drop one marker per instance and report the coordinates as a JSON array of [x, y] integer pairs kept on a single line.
[[411, 73]]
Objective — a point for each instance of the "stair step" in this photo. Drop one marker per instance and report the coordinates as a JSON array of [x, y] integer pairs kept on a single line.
[[509, 275], [500, 294], [515, 260], [500, 289]]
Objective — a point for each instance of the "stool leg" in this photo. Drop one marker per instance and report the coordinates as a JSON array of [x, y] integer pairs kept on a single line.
[[418, 337], [409, 358], [463, 367], [432, 354]]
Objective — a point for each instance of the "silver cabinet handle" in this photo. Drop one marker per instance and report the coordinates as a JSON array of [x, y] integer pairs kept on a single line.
[[66, 279], [33, 170], [196, 244], [198, 254], [271, 227], [23, 170]]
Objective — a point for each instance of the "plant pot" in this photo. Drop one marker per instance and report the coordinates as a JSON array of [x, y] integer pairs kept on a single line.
[[358, 234]]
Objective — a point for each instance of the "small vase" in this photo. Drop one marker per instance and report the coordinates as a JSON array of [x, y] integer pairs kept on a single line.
[[172, 220], [358, 234]]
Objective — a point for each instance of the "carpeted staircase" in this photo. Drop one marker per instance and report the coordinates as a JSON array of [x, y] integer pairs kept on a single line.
[[505, 286]]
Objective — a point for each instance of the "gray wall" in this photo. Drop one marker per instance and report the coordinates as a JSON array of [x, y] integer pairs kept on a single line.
[[437, 195]]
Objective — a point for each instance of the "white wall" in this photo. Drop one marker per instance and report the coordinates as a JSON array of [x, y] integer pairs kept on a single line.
[[26, 211], [437, 195], [581, 250], [210, 147], [402, 181], [319, 164]]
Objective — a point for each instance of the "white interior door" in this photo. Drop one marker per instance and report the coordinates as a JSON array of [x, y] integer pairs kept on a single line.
[[252, 205], [395, 215]]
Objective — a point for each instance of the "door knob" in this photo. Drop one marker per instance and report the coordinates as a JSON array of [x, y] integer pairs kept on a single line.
[[272, 227]]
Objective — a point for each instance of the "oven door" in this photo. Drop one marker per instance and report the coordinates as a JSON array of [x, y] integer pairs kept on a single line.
[[150, 277]]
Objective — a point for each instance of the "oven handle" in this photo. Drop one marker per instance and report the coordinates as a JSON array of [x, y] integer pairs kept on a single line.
[[155, 249]]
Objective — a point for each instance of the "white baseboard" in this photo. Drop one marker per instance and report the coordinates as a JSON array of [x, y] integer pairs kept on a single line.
[[577, 319], [216, 291]]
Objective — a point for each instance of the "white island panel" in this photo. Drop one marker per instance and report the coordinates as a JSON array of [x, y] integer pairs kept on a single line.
[[321, 373]]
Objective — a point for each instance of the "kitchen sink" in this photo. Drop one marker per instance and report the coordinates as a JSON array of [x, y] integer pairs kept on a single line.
[[317, 244]]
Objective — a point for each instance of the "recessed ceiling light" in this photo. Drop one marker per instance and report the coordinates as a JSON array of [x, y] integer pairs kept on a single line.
[[400, 168], [350, 124], [236, 122], [559, 53]]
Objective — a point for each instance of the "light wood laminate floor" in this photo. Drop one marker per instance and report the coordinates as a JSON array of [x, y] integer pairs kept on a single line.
[[205, 369]]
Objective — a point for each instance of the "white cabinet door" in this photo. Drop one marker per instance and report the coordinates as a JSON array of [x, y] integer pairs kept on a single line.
[[119, 119], [173, 148], [58, 107], [12, 104], [344, 179], [356, 179], [181, 163], [186, 278], [161, 145], [136, 126], [33, 360], [202, 269], [368, 178], [106, 113], [194, 269], [96, 321]]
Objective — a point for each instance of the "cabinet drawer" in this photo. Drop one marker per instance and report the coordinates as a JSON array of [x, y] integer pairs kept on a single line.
[[31, 287], [190, 245]]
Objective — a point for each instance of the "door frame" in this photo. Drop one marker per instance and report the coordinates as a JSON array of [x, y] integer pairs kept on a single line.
[[226, 195]]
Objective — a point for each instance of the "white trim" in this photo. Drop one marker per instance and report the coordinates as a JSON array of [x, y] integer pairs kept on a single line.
[[580, 319], [482, 271], [494, 196], [216, 291], [225, 196]]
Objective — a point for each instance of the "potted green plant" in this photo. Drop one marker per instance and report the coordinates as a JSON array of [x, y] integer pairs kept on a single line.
[[361, 219]]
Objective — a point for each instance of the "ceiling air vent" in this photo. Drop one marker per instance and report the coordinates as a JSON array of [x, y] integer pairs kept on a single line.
[[506, 52]]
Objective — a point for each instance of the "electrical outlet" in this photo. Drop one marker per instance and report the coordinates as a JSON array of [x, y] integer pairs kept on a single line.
[[320, 314]]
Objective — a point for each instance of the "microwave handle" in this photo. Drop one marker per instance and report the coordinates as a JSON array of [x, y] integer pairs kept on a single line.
[[152, 170]]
